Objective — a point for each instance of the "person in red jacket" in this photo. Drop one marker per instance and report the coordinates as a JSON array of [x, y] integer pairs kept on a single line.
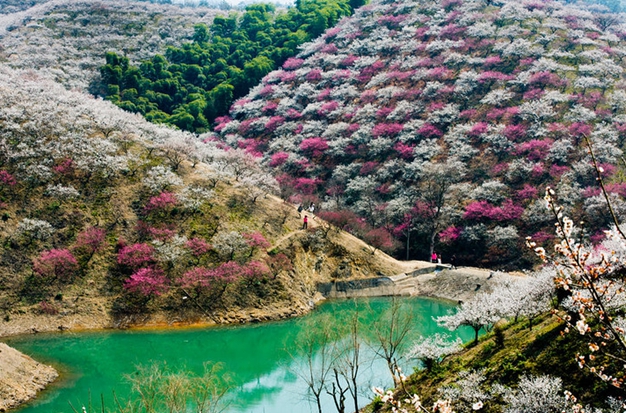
[[305, 222]]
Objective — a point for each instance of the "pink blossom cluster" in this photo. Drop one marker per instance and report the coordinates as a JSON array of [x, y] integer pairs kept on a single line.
[[479, 210], [56, 264], [136, 255], [162, 202], [148, 282]]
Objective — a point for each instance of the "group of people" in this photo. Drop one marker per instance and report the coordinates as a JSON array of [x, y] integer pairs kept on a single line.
[[436, 259], [305, 220]]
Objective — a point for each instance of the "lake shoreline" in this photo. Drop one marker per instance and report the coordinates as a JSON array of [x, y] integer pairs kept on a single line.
[[97, 362], [449, 285], [453, 285]]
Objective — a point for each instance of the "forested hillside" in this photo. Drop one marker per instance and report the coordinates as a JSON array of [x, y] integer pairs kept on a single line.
[[189, 86], [67, 41], [106, 215], [441, 123]]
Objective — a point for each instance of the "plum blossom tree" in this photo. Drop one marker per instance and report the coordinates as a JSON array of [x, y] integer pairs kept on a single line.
[[235, 164], [587, 276], [258, 184], [148, 282], [56, 265], [168, 251], [527, 296], [208, 285], [90, 241], [136, 255], [467, 394], [159, 179], [179, 147], [161, 204], [194, 197], [230, 244], [537, 394], [198, 246], [62, 192], [379, 238], [34, 229], [477, 313], [255, 240], [278, 263], [432, 350]]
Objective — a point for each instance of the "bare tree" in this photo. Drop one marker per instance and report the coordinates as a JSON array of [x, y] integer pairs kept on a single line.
[[391, 334], [345, 380], [432, 210], [317, 350]]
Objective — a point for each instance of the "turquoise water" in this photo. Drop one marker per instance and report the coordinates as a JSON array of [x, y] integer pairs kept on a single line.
[[264, 359]]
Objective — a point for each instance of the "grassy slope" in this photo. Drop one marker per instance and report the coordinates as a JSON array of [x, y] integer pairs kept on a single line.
[[544, 350]]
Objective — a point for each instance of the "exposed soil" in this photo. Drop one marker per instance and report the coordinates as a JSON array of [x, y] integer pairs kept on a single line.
[[460, 284], [21, 377]]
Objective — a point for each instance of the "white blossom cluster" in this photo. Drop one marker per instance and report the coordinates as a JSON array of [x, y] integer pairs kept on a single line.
[[161, 178], [35, 229], [62, 192], [34, 38]]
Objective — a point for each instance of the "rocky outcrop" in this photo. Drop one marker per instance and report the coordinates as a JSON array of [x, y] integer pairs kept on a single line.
[[21, 377]]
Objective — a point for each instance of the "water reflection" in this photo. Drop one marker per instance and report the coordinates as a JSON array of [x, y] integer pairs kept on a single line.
[[265, 359]]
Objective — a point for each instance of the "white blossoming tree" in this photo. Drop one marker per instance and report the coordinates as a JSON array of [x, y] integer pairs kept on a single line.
[[477, 313]]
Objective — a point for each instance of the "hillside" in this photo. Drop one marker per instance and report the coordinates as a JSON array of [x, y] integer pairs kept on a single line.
[[441, 123], [416, 126], [105, 222], [66, 41], [489, 371]]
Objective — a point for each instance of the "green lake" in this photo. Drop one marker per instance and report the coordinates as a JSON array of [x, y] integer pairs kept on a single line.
[[262, 358]]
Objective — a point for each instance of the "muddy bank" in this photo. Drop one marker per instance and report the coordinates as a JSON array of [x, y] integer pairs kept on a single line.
[[21, 377], [460, 284]]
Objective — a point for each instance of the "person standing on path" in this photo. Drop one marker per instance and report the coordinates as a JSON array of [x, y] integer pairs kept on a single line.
[[433, 258], [453, 262], [305, 222]]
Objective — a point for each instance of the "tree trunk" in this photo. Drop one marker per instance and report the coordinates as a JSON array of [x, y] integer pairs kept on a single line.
[[408, 238], [433, 235]]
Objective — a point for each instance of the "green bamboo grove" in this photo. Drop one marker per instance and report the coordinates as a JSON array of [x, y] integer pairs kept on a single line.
[[191, 85]]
